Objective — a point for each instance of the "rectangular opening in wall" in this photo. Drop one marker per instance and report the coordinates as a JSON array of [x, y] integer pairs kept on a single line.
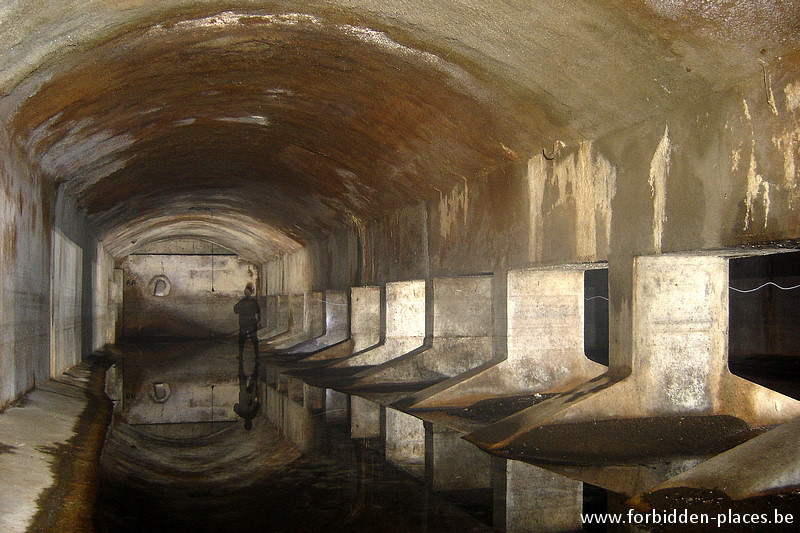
[[595, 321], [764, 345]]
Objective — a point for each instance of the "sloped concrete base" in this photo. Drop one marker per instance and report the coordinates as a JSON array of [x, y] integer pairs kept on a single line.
[[766, 464]]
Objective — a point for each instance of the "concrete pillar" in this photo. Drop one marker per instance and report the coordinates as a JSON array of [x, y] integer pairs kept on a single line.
[[545, 345], [306, 321], [365, 325], [273, 409], [334, 322], [65, 304], [405, 442], [680, 349], [679, 365], [766, 464], [300, 426], [277, 317], [405, 325], [462, 335], [529, 498], [365, 317], [296, 303], [282, 383], [295, 388]]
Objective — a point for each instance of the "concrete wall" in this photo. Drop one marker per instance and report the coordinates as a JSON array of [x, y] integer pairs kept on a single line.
[[26, 207], [56, 289], [66, 304], [722, 172], [195, 306], [716, 170], [718, 173], [337, 260], [395, 248], [106, 298]]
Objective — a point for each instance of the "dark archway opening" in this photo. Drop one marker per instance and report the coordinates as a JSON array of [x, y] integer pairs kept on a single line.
[[764, 346]]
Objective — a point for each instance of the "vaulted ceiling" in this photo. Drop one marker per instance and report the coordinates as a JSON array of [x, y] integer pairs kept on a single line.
[[263, 125]]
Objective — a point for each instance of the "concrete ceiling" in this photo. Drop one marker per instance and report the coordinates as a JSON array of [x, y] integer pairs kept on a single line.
[[263, 125]]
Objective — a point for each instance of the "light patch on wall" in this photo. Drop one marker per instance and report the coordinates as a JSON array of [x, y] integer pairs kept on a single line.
[[358, 193], [383, 41], [757, 193], [792, 92], [247, 119], [736, 158], [659, 171], [789, 145], [68, 157], [184, 122], [585, 178], [229, 18], [299, 271], [453, 208], [160, 286], [746, 110]]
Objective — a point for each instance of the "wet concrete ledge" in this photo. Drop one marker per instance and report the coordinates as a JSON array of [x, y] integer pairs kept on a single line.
[[50, 444]]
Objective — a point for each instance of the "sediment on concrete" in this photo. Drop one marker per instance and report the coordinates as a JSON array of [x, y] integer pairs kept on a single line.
[[51, 443]]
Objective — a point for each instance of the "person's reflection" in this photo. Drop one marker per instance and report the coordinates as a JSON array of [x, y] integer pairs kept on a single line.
[[248, 405]]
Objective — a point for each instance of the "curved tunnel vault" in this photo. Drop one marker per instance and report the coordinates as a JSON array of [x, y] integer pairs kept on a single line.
[[446, 171], [268, 130]]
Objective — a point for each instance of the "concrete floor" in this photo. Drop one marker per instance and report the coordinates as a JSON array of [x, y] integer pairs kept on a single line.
[[50, 443]]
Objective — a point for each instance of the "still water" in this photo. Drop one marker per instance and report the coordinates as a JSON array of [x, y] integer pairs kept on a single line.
[[216, 476], [237, 480]]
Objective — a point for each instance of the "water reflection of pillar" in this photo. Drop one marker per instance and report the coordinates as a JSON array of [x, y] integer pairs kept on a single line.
[[453, 464], [529, 498]]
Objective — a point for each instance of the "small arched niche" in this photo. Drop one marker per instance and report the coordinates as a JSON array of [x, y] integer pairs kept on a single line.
[[160, 286]]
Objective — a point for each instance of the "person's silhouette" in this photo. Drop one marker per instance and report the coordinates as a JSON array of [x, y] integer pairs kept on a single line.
[[249, 317], [248, 405]]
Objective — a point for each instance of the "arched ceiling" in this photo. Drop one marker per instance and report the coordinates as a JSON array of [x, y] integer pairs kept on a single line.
[[263, 125]]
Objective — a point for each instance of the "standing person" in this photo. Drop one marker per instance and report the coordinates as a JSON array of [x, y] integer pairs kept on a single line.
[[249, 318]]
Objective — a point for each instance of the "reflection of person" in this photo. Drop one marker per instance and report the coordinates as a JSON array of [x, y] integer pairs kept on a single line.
[[248, 404], [249, 316]]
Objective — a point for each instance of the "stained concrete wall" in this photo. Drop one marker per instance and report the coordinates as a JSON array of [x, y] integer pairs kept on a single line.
[[716, 173], [26, 206], [106, 298], [56, 290], [480, 224], [395, 248], [66, 304], [720, 173], [337, 260], [196, 305], [712, 171]]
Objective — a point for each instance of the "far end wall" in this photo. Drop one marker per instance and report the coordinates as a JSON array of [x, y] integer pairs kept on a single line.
[[186, 296]]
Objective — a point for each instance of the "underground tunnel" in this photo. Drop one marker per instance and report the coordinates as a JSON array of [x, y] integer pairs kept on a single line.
[[515, 266]]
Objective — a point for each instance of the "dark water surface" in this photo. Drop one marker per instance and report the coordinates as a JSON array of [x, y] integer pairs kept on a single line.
[[239, 480]]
